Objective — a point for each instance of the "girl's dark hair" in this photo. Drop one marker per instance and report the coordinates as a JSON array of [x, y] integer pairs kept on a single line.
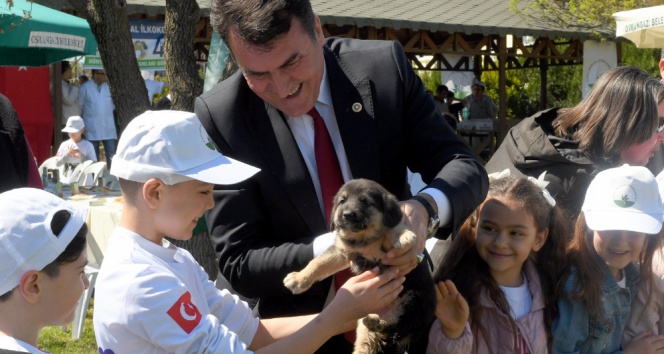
[[581, 255], [71, 253], [463, 259]]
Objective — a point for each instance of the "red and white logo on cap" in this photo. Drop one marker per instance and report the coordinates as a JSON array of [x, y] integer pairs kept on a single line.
[[185, 313]]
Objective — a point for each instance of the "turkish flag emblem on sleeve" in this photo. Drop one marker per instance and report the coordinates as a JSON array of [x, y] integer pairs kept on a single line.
[[185, 313]]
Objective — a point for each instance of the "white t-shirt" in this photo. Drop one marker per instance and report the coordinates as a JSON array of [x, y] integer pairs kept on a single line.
[[10, 343], [84, 146], [520, 299], [157, 299]]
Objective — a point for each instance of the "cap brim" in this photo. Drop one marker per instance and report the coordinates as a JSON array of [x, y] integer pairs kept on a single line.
[[222, 170], [70, 130], [635, 222]]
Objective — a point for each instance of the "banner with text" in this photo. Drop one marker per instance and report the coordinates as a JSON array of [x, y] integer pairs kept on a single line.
[[148, 40]]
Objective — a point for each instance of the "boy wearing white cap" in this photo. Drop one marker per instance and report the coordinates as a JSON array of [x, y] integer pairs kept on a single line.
[[42, 258], [620, 223], [76, 149], [152, 297]]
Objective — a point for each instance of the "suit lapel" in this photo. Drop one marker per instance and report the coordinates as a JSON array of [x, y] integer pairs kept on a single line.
[[356, 126], [280, 151]]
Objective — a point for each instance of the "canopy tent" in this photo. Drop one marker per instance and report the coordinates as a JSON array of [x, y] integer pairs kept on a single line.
[[35, 35], [644, 27]]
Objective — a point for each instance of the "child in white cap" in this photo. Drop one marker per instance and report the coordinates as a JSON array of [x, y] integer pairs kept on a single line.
[[648, 306], [620, 222], [152, 297], [42, 258], [75, 150]]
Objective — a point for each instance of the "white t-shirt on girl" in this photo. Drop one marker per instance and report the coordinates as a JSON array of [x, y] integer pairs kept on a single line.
[[520, 299]]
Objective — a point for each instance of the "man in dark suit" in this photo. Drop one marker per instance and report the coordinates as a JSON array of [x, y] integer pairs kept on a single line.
[[379, 118]]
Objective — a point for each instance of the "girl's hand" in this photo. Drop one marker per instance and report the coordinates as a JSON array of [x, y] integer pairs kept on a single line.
[[73, 152], [645, 343], [368, 293], [451, 309]]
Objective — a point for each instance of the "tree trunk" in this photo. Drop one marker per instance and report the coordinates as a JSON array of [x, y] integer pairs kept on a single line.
[[110, 25], [180, 30], [185, 85]]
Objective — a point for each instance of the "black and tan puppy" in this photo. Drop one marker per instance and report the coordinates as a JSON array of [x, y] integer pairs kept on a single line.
[[367, 220]]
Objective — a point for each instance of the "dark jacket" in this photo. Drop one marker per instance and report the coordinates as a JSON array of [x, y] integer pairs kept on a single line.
[[263, 228], [14, 167], [531, 148]]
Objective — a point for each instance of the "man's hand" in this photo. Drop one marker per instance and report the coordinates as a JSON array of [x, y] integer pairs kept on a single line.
[[416, 219]]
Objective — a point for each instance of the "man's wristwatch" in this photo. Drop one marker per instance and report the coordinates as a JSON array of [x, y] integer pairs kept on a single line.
[[434, 221]]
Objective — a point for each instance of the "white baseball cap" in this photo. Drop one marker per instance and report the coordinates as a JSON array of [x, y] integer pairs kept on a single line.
[[660, 184], [26, 239], [478, 83], [624, 198], [174, 147], [74, 125]]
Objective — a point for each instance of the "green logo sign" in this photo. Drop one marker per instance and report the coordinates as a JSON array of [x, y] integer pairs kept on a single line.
[[624, 196]]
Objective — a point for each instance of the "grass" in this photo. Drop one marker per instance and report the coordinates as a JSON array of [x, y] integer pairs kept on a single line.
[[55, 341]]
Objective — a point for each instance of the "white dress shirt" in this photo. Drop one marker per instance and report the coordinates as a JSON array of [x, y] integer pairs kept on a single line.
[[302, 127]]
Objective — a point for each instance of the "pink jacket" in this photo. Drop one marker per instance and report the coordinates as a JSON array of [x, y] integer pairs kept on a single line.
[[644, 315], [499, 332]]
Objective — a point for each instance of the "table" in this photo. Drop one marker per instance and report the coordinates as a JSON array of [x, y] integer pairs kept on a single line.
[[488, 136], [103, 217]]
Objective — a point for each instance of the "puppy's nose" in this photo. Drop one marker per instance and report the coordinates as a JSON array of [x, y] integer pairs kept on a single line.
[[350, 216]]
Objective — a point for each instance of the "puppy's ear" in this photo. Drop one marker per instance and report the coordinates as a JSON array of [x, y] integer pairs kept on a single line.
[[335, 205], [392, 213]]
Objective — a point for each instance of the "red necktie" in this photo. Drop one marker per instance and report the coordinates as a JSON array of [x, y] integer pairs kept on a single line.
[[327, 163], [331, 179]]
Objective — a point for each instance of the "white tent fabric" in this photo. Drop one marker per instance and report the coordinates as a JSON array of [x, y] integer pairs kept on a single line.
[[644, 27]]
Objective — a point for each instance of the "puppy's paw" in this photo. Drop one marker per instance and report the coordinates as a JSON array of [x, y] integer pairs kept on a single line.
[[296, 283], [373, 322], [405, 238]]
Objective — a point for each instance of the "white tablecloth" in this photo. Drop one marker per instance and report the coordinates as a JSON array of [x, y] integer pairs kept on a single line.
[[102, 220]]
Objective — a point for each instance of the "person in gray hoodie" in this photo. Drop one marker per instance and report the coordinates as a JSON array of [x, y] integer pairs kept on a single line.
[[619, 122]]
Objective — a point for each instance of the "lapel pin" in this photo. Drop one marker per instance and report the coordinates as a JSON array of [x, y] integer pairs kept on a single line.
[[357, 107]]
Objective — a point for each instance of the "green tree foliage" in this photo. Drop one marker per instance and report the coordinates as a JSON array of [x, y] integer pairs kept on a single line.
[[646, 59], [564, 82], [431, 79], [595, 15]]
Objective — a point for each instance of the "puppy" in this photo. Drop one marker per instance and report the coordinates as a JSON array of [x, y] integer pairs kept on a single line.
[[367, 220]]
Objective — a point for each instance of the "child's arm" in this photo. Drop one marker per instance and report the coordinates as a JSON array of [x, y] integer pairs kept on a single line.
[[645, 343], [63, 151], [361, 295], [450, 333], [646, 312]]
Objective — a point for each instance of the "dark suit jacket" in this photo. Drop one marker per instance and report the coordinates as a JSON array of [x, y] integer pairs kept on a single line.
[[264, 228]]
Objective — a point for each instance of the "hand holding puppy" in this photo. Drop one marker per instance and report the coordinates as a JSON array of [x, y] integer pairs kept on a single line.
[[368, 293], [416, 219]]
